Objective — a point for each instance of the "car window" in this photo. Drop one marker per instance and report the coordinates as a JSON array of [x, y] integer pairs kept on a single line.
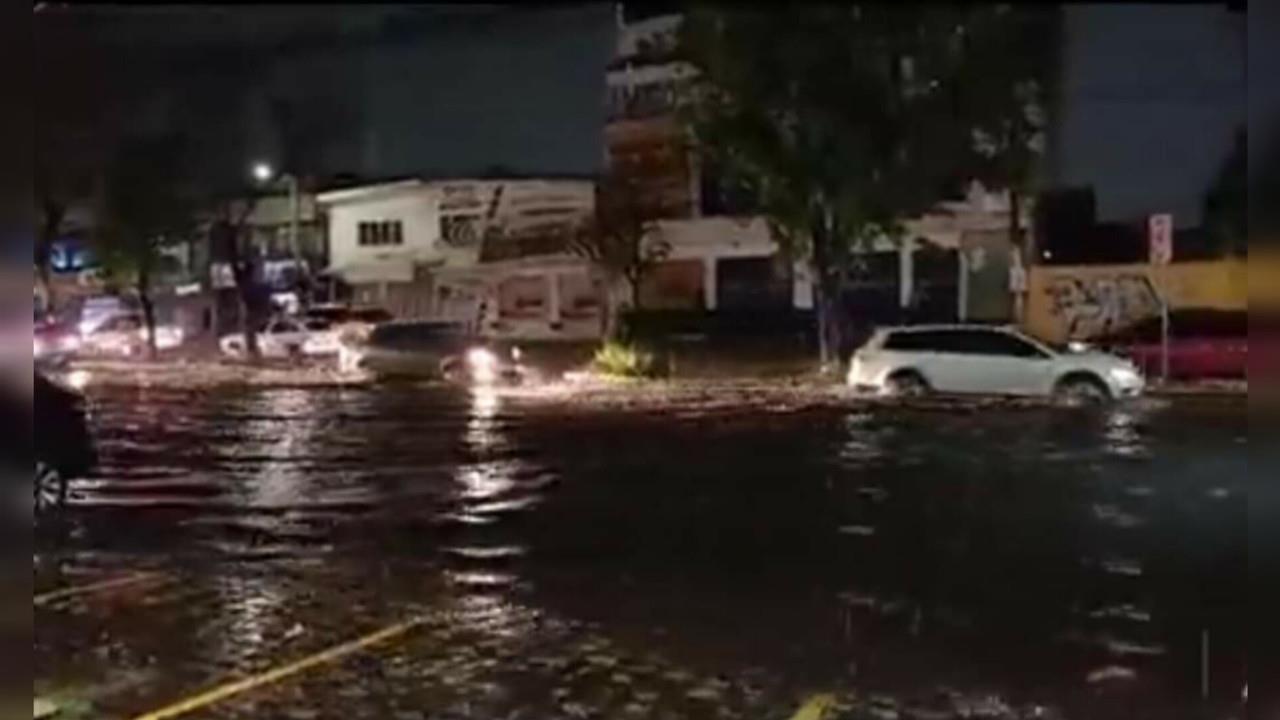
[[409, 336], [317, 324], [910, 341], [996, 343], [281, 327]]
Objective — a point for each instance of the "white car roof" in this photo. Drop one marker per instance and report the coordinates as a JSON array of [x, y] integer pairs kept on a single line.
[[950, 326]]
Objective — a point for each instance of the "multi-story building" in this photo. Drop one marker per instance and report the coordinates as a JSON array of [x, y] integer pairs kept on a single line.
[[493, 251], [723, 256]]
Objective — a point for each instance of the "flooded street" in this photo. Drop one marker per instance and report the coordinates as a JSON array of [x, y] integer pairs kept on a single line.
[[417, 552]]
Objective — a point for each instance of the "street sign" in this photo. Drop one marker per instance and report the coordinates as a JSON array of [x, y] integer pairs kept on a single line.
[[1160, 238]]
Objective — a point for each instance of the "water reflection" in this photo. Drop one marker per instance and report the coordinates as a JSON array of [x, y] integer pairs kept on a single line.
[[286, 424], [1123, 436], [822, 539]]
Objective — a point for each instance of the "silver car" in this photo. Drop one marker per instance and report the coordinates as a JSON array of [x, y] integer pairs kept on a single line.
[[987, 360]]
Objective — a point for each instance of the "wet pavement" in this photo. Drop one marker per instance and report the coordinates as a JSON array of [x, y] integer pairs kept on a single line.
[[705, 552]]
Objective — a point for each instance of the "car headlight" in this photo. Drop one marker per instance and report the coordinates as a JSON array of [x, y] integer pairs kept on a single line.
[[481, 358], [1125, 375], [483, 364], [69, 343]]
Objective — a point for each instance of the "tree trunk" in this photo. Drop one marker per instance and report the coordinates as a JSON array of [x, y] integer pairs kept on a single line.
[[1015, 221], [250, 318], [52, 220], [242, 271], [826, 292], [148, 312]]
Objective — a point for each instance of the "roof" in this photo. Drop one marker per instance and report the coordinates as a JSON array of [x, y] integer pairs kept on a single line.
[[354, 193], [366, 192], [945, 326]]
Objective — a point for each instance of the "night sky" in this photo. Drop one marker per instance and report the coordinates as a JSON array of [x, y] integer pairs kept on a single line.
[[1154, 92], [397, 90]]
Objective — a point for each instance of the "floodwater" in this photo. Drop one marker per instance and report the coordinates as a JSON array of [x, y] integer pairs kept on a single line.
[[714, 554]]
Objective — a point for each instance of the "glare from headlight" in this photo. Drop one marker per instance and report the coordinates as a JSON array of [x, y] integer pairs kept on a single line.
[[516, 353], [483, 364], [481, 358], [79, 379], [37, 348], [1125, 376]]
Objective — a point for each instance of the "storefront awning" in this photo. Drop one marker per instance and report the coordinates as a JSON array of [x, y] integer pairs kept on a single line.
[[371, 273]]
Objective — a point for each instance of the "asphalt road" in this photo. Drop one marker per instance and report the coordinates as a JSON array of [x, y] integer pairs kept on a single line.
[[415, 552]]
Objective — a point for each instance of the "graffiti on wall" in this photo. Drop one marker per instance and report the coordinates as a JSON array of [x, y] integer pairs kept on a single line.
[[1093, 306]]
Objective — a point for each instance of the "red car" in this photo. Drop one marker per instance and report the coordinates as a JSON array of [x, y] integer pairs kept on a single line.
[[1202, 344]]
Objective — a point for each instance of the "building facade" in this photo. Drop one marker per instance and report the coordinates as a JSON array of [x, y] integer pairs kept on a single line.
[[485, 251]]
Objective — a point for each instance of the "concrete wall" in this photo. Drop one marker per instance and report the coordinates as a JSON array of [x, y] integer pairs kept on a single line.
[[1080, 302]]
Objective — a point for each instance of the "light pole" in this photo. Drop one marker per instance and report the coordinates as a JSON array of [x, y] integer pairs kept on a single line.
[[264, 173]]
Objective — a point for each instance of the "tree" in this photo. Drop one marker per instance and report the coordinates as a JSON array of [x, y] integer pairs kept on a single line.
[[146, 206], [841, 120], [1226, 204], [1005, 92], [622, 239]]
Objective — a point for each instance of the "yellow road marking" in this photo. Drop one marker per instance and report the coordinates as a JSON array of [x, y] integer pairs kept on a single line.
[[134, 579], [815, 708], [222, 692]]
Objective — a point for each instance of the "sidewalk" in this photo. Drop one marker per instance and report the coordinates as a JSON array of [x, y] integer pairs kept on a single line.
[[191, 373]]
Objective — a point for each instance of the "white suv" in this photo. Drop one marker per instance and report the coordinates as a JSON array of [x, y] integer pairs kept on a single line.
[[987, 360]]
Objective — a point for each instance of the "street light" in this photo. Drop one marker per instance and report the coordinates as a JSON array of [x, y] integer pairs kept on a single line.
[[263, 173]]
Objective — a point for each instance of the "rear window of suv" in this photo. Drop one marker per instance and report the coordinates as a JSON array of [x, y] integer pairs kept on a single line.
[[967, 342], [920, 341]]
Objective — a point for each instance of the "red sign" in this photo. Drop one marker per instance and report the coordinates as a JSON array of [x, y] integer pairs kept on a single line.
[[1160, 238]]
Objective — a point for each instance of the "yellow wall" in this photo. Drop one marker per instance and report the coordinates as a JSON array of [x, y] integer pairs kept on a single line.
[[1264, 279], [1078, 302]]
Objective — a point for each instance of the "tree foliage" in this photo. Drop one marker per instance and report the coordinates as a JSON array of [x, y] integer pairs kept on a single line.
[[146, 206], [1006, 88], [841, 119], [623, 237], [1226, 204]]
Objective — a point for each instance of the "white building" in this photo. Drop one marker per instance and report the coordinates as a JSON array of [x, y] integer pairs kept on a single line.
[[467, 250]]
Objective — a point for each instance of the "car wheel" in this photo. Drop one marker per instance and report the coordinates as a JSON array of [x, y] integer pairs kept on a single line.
[[1082, 390], [50, 487], [453, 370], [908, 383]]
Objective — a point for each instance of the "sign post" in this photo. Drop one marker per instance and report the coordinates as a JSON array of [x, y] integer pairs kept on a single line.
[[1160, 244]]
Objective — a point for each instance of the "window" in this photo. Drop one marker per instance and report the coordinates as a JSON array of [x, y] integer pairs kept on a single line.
[[460, 230], [994, 343], [963, 342], [920, 341], [380, 232]]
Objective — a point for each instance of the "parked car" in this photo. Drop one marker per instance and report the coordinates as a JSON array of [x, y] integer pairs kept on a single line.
[[286, 337], [1202, 344], [431, 350], [54, 342], [126, 334], [58, 439], [986, 360], [352, 322], [339, 314]]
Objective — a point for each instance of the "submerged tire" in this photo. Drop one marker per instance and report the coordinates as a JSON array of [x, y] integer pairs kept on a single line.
[[50, 488], [908, 383], [1081, 390]]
